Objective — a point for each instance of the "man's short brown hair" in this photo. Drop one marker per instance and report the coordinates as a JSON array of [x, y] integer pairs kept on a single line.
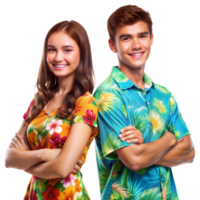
[[127, 15]]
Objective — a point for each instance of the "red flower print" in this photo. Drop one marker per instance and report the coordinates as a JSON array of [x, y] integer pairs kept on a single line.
[[89, 118], [51, 193], [56, 141], [39, 146], [33, 195], [26, 113]]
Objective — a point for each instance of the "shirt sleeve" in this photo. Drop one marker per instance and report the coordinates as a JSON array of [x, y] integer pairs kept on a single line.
[[111, 119], [86, 110], [26, 113], [176, 123]]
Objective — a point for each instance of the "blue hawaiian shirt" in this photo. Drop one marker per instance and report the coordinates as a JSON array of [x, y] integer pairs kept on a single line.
[[153, 111]]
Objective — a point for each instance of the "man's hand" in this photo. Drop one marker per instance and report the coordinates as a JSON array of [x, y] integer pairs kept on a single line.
[[131, 135], [19, 142]]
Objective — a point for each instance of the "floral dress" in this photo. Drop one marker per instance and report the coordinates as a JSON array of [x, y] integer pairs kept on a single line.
[[48, 131]]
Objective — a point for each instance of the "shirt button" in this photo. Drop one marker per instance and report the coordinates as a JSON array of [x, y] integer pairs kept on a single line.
[[161, 175]]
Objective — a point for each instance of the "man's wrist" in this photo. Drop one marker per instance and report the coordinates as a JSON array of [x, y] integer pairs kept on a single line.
[[170, 138]]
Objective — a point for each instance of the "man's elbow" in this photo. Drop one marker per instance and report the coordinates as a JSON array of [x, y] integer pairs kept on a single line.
[[191, 156], [135, 164]]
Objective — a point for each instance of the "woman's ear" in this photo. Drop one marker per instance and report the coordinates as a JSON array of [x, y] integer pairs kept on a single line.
[[112, 46]]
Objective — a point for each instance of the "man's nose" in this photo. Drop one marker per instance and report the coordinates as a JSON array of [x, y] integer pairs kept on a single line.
[[136, 43]]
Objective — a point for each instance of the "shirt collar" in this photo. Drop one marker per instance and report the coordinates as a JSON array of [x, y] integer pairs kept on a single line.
[[126, 83]]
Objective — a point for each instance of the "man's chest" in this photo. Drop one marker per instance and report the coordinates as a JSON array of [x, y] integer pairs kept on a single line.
[[148, 111]]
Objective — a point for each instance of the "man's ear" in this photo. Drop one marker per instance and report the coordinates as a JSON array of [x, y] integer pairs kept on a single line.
[[112, 46], [152, 38]]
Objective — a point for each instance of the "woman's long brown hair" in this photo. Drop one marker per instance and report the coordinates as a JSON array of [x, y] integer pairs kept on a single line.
[[47, 82]]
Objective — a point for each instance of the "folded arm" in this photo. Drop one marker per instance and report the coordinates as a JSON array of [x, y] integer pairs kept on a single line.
[[73, 148], [140, 156], [182, 152], [18, 154]]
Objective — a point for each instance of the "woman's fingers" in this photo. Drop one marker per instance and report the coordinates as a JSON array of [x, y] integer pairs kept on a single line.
[[74, 171], [80, 162]]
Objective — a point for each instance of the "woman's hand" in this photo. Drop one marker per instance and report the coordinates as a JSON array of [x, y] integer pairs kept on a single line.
[[131, 135], [77, 167], [19, 142]]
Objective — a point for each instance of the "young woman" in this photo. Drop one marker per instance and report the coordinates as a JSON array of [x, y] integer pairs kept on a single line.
[[60, 123]]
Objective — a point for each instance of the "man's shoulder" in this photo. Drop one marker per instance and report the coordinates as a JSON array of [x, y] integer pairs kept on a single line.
[[108, 85], [161, 89]]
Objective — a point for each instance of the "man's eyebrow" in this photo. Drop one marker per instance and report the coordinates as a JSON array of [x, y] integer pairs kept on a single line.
[[143, 33], [124, 35]]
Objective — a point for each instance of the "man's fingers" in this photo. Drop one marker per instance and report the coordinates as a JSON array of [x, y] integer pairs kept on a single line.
[[127, 128], [129, 136], [136, 141]]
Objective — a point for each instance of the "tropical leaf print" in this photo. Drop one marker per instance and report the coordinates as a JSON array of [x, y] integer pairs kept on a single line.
[[106, 101], [151, 194], [31, 128], [172, 105], [165, 183], [160, 105], [163, 89], [135, 188], [119, 76], [110, 144], [119, 192], [78, 119], [116, 170], [142, 171], [157, 122]]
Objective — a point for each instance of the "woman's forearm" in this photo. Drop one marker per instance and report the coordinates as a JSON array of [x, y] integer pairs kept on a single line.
[[21, 159], [49, 170]]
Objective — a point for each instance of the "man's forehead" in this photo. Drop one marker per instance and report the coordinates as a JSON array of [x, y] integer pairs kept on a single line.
[[133, 29]]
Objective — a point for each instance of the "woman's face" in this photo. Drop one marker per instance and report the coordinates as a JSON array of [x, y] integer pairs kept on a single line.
[[63, 54]]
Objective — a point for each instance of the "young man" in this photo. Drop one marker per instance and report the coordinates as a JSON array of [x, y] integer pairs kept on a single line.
[[130, 101]]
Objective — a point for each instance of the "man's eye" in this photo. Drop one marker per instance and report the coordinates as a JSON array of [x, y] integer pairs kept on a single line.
[[143, 36], [125, 39]]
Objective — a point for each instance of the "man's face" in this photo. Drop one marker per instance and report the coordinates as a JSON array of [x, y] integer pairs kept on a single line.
[[132, 45]]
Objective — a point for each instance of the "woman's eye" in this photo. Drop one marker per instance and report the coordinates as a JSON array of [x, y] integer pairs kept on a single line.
[[50, 50], [68, 50]]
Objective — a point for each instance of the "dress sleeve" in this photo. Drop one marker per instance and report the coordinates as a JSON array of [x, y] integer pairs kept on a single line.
[[86, 110], [26, 113], [111, 119], [176, 123]]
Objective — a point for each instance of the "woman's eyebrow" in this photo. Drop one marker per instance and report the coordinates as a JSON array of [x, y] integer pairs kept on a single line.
[[65, 46]]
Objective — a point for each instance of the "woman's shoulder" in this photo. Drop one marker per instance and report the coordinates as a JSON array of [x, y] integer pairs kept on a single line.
[[86, 99]]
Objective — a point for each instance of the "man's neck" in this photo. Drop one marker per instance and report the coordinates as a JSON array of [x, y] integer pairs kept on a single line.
[[135, 75]]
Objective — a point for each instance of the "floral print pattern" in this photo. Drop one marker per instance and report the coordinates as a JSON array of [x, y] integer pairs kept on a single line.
[[48, 131], [152, 111]]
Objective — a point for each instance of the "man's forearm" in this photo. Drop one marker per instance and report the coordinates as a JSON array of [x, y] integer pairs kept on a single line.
[[48, 170], [144, 155], [21, 159], [154, 151], [182, 152]]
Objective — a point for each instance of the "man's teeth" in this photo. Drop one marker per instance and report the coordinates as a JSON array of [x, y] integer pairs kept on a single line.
[[137, 54]]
